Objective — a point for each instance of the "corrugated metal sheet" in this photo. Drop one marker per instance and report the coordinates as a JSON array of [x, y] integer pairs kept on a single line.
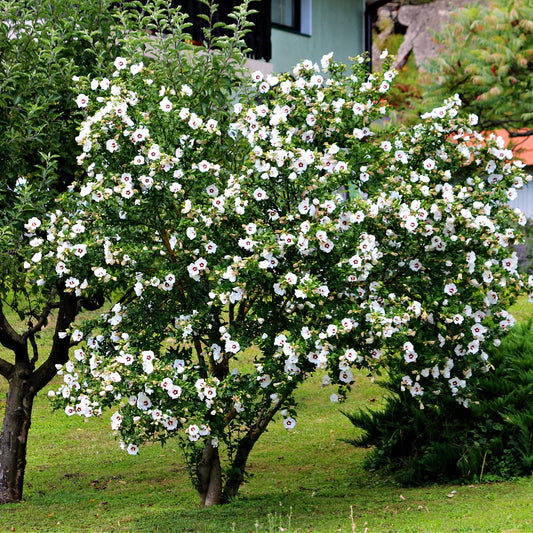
[[524, 199]]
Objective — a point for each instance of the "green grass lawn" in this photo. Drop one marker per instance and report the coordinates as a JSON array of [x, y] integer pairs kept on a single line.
[[77, 479]]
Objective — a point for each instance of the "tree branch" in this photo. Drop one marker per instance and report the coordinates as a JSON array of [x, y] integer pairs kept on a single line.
[[35, 349], [238, 467], [527, 133], [41, 320], [59, 353], [6, 368], [199, 351], [515, 128], [8, 336]]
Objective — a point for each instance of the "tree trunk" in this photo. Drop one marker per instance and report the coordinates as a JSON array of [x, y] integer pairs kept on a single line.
[[238, 467], [237, 472], [14, 437], [24, 383], [209, 476]]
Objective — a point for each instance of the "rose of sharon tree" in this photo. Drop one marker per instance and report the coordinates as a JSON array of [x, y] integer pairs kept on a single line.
[[44, 45], [291, 240]]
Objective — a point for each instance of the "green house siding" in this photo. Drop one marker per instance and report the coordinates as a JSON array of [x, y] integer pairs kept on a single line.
[[337, 26]]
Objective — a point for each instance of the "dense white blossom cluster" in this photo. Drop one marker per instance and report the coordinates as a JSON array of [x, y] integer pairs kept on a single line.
[[292, 238]]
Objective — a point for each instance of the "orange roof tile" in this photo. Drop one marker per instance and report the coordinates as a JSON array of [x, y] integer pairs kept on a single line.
[[522, 146]]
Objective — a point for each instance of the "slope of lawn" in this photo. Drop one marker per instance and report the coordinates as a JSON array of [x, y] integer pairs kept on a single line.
[[308, 480]]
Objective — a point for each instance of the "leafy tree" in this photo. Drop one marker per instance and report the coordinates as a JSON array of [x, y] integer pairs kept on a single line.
[[270, 236], [487, 58], [43, 47]]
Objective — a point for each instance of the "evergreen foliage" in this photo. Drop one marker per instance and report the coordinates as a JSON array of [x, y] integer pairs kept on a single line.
[[487, 57], [446, 442]]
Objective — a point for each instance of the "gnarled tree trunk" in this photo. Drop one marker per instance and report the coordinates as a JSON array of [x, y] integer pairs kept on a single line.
[[14, 437], [25, 381]]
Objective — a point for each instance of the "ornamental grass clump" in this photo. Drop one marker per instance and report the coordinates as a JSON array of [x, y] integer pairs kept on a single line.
[[254, 248]]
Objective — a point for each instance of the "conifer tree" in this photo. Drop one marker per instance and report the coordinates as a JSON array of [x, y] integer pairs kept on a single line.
[[487, 58]]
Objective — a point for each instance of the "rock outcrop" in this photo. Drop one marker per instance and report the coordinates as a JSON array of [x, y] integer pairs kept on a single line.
[[419, 22]]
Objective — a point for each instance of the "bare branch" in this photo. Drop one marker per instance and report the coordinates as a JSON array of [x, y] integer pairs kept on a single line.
[[35, 349], [68, 308], [8, 336], [6, 368], [527, 133], [515, 128], [41, 320]]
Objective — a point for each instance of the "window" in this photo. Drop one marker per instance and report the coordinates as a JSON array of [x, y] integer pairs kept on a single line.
[[285, 14], [292, 15]]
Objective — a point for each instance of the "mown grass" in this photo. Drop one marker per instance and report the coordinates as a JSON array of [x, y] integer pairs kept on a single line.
[[308, 480]]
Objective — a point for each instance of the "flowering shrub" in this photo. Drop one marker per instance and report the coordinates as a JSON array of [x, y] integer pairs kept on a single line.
[[255, 249]]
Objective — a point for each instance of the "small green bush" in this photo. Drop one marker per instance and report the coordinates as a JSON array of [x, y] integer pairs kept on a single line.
[[493, 439]]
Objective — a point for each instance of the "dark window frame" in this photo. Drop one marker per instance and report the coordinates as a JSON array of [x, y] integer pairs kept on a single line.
[[296, 26]]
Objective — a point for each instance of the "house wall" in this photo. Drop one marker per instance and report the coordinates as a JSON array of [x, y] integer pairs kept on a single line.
[[336, 26], [524, 200]]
